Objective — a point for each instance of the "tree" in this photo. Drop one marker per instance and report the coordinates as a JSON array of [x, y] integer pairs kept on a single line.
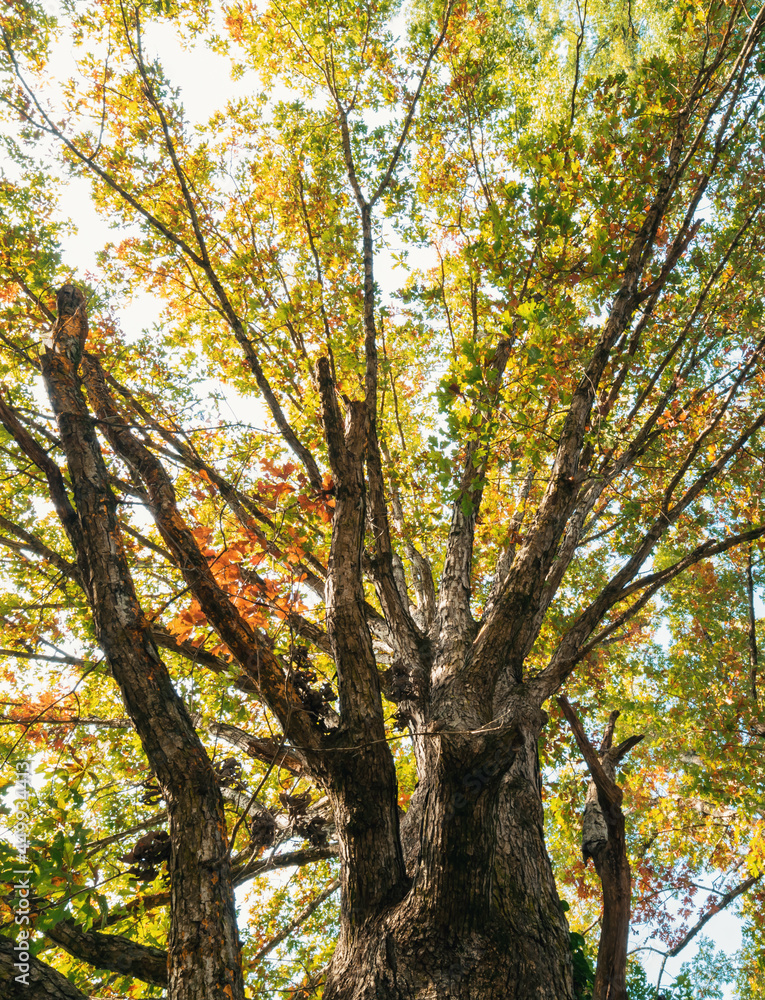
[[452, 500]]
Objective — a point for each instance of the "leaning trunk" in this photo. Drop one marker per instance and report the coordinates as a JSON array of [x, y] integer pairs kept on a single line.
[[603, 840], [204, 961], [614, 872], [482, 917]]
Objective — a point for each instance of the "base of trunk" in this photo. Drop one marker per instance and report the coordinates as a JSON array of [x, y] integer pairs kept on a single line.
[[404, 962], [481, 918]]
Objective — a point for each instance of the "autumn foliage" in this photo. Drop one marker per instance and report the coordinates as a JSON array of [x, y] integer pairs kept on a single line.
[[420, 383]]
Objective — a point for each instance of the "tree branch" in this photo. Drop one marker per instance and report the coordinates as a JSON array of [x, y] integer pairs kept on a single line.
[[606, 785], [719, 905], [385, 180], [603, 840], [247, 646], [366, 789], [114, 952], [203, 913], [573, 646], [43, 982], [753, 653], [299, 920], [504, 639], [29, 541]]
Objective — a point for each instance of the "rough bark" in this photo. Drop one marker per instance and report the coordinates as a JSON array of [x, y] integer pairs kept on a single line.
[[457, 902], [361, 781], [112, 951], [482, 917]]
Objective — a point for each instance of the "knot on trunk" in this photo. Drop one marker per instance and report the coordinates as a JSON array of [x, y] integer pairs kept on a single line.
[[602, 811], [70, 331], [594, 827]]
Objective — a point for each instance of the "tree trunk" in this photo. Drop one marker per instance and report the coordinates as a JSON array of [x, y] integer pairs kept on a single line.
[[204, 953], [613, 870], [31, 979], [603, 840], [482, 917]]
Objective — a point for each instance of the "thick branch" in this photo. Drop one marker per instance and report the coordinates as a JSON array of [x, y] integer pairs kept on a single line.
[[250, 870], [363, 789], [42, 982], [111, 951], [573, 646], [606, 785], [358, 684], [56, 485], [247, 646], [269, 751], [26, 540], [603, 840], [504, 641], [77, 720]]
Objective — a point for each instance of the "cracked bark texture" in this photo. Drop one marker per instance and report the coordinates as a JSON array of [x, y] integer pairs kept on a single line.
[[603, 840], [481, 916]]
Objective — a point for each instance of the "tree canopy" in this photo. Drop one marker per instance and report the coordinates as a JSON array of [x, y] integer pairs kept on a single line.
[[452, 404]]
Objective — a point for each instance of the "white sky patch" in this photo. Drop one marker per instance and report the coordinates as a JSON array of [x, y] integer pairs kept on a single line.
[[724, 929]]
